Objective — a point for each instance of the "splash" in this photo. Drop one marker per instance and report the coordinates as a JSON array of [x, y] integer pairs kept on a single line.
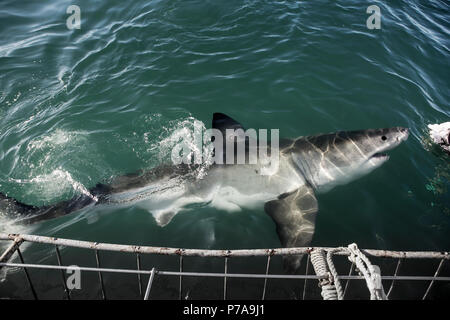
[[184, 131], [54, 184], [57, 138]]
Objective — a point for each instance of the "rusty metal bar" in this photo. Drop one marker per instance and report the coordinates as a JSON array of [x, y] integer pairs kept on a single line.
[[100, 277], [218, 253], [18, 239], [58, 257], [27, 275], [395, 274], [432, 281], [149, 285], [138, 262], [7, 254]]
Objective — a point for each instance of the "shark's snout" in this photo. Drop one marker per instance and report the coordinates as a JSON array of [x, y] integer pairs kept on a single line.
[[404, 134]]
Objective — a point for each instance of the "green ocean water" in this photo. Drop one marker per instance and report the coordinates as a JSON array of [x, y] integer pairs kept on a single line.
[[81, 106]]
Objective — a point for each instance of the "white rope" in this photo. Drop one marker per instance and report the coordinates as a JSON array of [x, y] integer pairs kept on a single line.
[[331, 285], [320, 267], [371, 273], [337, 283]]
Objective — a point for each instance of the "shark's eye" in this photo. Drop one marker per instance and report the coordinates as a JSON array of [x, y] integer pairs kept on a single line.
[[383, 138]]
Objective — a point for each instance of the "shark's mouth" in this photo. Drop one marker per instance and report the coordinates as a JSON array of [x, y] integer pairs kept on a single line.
[[379, 157]]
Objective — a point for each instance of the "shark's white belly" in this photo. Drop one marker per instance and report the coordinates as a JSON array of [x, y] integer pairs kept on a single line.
[[229, 188], [242, 186]]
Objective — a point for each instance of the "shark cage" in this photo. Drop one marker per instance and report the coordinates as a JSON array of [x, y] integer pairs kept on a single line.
[[38, 267]]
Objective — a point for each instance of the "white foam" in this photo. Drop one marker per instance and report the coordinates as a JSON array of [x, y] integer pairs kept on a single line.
[[440, 134], [57, 138], [54, 184], [184, 131]]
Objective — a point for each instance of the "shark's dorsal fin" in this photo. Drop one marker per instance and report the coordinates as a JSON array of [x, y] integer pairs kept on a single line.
[[236, 134], [294, 215], [222, 122]]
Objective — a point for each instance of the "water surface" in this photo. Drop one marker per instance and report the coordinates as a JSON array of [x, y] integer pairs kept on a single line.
[[81, 106]]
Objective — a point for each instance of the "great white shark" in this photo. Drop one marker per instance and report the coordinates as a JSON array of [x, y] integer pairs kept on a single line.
[[307, 165]]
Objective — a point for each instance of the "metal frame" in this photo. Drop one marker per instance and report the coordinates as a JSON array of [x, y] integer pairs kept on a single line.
[[19, 239]]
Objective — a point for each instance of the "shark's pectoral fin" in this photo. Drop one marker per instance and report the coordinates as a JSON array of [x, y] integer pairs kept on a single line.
[[294, 215]]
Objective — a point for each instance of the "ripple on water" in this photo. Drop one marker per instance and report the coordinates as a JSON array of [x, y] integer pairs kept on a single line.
[[80, 106]]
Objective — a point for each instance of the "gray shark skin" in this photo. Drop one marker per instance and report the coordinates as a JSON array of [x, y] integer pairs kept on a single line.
[[306, 165]]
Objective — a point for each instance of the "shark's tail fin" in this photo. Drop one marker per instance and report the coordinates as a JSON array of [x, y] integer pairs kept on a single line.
[[11, 207], [30, 214]]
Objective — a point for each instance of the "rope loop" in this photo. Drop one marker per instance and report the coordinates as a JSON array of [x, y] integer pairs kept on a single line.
[[371, 273], [330, 284]]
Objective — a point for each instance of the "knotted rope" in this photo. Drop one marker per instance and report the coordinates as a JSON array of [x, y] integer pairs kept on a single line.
[[330, 283]]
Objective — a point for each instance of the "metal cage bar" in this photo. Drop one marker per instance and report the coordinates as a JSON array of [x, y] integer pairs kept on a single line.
[[58, 256], [225, 279], [180, 291], [218, 253], [265, 279], [352, 267], [27, 275], [397, 268], [432, 281], [100, 277], [306, 273], [7, 254], [149, 285], [138, 263], [221, 275], [17, 240]]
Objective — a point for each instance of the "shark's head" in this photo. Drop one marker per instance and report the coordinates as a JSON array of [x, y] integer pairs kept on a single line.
[[330, 159]]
